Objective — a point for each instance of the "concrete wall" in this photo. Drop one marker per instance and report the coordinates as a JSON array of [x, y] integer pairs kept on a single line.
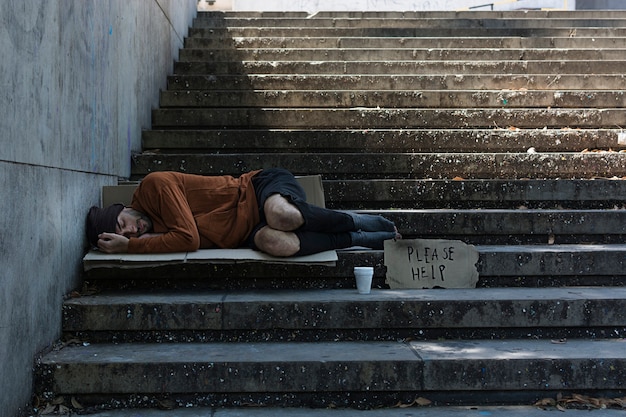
[[78, 80]]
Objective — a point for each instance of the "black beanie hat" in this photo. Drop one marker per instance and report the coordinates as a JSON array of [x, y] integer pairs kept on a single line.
[[101, 220]]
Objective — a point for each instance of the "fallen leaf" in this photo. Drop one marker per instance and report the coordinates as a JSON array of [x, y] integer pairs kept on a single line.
[[166, 404], [50, 408], [549, 402], [458, 178], [58, 400], [76, 404], [422, 401]]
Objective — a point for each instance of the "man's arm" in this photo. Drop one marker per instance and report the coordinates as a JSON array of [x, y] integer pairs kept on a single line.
[[162, 198], [114, 243]]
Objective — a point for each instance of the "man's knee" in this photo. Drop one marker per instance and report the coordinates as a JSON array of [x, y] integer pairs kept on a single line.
[[275, 242], [281, 214]]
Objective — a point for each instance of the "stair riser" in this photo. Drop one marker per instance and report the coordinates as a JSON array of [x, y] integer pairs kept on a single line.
[[429, 54], [415, 194], [325, 43], [388, 140], [410, 67], [316, 32], [551, 266], [232, 312], [406, 23], [387, 82], [372, 118], [331, 367], [407, 166], [396, 99]]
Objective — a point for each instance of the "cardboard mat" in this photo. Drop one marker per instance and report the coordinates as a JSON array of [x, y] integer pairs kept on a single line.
[[95, 259]]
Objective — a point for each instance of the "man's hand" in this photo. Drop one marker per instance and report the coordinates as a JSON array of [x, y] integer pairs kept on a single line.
[[112, 243]]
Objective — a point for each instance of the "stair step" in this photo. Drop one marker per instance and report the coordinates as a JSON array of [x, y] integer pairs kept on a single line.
[[481, 366], [409, 23], [421, 14], [407, 67], [423, 54], [381, 140], [399, 118], [533, 309], [394, 98], [326, 43], [415, 411], [190, 78], [499, 266], [393, 165], [465, 194], [408, 32]]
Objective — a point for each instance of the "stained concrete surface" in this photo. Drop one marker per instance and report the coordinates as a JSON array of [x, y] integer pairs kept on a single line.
[[394, 412], [78, 82]]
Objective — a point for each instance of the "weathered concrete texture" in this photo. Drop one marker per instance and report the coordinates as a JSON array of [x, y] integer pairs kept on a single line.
[[601, 13], [423, 54], [520, 411], [346, 309], [395, 165], [499, 266], [40, 247], [196, 81], [395, 99], [78, 80], [338, 366], [413, 67], [372, 118], [409, 32], [463, 194], [229, 43], [426, 22], [380, 140]]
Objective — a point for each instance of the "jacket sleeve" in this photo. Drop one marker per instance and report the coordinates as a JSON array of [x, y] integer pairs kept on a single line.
[[164, 201]]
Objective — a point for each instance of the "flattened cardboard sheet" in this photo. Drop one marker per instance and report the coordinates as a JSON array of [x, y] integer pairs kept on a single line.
[[95, 259]]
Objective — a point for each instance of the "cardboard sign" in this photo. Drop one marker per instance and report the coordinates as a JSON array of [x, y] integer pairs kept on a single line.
[[430, 263]]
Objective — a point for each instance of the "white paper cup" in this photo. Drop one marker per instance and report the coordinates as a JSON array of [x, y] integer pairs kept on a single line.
[[363, 276]]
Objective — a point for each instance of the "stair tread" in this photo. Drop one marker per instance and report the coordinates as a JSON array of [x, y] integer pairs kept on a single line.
[[332, 366], [412, 351], [193, 76], [381, 140], [392, 98], [450, 411], [341, 295], [323, 310]]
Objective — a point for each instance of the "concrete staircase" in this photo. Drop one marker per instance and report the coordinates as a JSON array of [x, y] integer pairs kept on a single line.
[[501, 129]]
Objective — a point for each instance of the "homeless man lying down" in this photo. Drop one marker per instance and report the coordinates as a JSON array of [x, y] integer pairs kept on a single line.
[[265, 210]]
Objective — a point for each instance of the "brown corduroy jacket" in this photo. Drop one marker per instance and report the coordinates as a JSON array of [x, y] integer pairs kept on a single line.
[[195, 212]]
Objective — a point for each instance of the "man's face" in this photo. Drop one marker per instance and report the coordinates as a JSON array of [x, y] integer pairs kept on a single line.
[[132, 223]]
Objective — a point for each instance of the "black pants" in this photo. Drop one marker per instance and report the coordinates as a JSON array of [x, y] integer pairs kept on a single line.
[[323, 229]]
